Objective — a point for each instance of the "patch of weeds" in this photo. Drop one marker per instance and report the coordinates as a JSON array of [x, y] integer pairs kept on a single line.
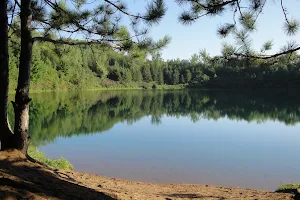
[[60, 163]]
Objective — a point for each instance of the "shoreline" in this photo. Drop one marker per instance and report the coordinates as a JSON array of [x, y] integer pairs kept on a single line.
[[159, 87], [20, 178]]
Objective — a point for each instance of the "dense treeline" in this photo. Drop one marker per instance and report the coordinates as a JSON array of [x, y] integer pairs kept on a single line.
[[56, 67], [79, 67], [86, 67], [233, 72], [67, 114], [229, 72]]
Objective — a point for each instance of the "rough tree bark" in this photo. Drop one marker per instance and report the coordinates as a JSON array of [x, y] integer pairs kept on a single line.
[[5, 131], [21, 104]]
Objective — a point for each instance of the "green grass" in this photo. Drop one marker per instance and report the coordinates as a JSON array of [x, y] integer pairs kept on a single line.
[[59, 163], [285, 187], [172, 87]]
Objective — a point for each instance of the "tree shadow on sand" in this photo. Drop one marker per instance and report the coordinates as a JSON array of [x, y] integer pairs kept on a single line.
[[19, 181], [193, 196]]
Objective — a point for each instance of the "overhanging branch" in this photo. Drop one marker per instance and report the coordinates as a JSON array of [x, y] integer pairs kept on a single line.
[[265, 57], [74, 43], [124, 12], [213, 5]]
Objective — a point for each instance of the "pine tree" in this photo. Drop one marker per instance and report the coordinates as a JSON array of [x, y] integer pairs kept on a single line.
[[6, 134]]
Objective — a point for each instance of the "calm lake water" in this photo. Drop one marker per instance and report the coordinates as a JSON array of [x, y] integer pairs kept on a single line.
[[226, 138]]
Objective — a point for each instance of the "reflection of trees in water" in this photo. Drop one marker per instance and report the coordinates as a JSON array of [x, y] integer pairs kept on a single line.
[[155, 119], [66, 114]]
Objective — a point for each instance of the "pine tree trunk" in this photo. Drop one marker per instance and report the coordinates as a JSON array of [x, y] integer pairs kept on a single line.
[[5, 131], [21, 104]]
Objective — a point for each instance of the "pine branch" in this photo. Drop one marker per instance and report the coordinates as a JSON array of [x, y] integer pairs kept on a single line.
[[57, 8], [17, 3], [265, 57], [82, 27], [209, 8], [239, 8], [284, 12], [216, 5], [74, 43], [124, 12]]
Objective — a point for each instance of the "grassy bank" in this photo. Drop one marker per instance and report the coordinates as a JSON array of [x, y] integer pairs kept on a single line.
[[59, 163]]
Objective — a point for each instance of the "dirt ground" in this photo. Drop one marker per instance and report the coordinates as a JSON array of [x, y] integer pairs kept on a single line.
[[23, 180]]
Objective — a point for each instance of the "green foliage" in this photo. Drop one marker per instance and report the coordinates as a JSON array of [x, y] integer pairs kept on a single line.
[[146, 73], [59, 163], [171, 87], [64, 67], [233, 72], [291, 27], [288, 187], [267, 46], [248, 21]]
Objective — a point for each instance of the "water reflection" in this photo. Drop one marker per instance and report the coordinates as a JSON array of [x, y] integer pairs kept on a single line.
[[230, 138], [68, 114]]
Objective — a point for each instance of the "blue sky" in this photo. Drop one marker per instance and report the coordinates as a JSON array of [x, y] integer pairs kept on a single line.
[[190, 39], [187, 40]]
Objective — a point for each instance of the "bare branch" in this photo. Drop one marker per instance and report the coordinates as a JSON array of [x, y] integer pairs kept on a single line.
[[239, 8], [284, 12]]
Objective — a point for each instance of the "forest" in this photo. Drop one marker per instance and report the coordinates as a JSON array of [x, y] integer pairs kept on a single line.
[[64, 67]]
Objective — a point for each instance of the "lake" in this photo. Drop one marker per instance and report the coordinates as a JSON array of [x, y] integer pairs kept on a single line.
[[225, 138]]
